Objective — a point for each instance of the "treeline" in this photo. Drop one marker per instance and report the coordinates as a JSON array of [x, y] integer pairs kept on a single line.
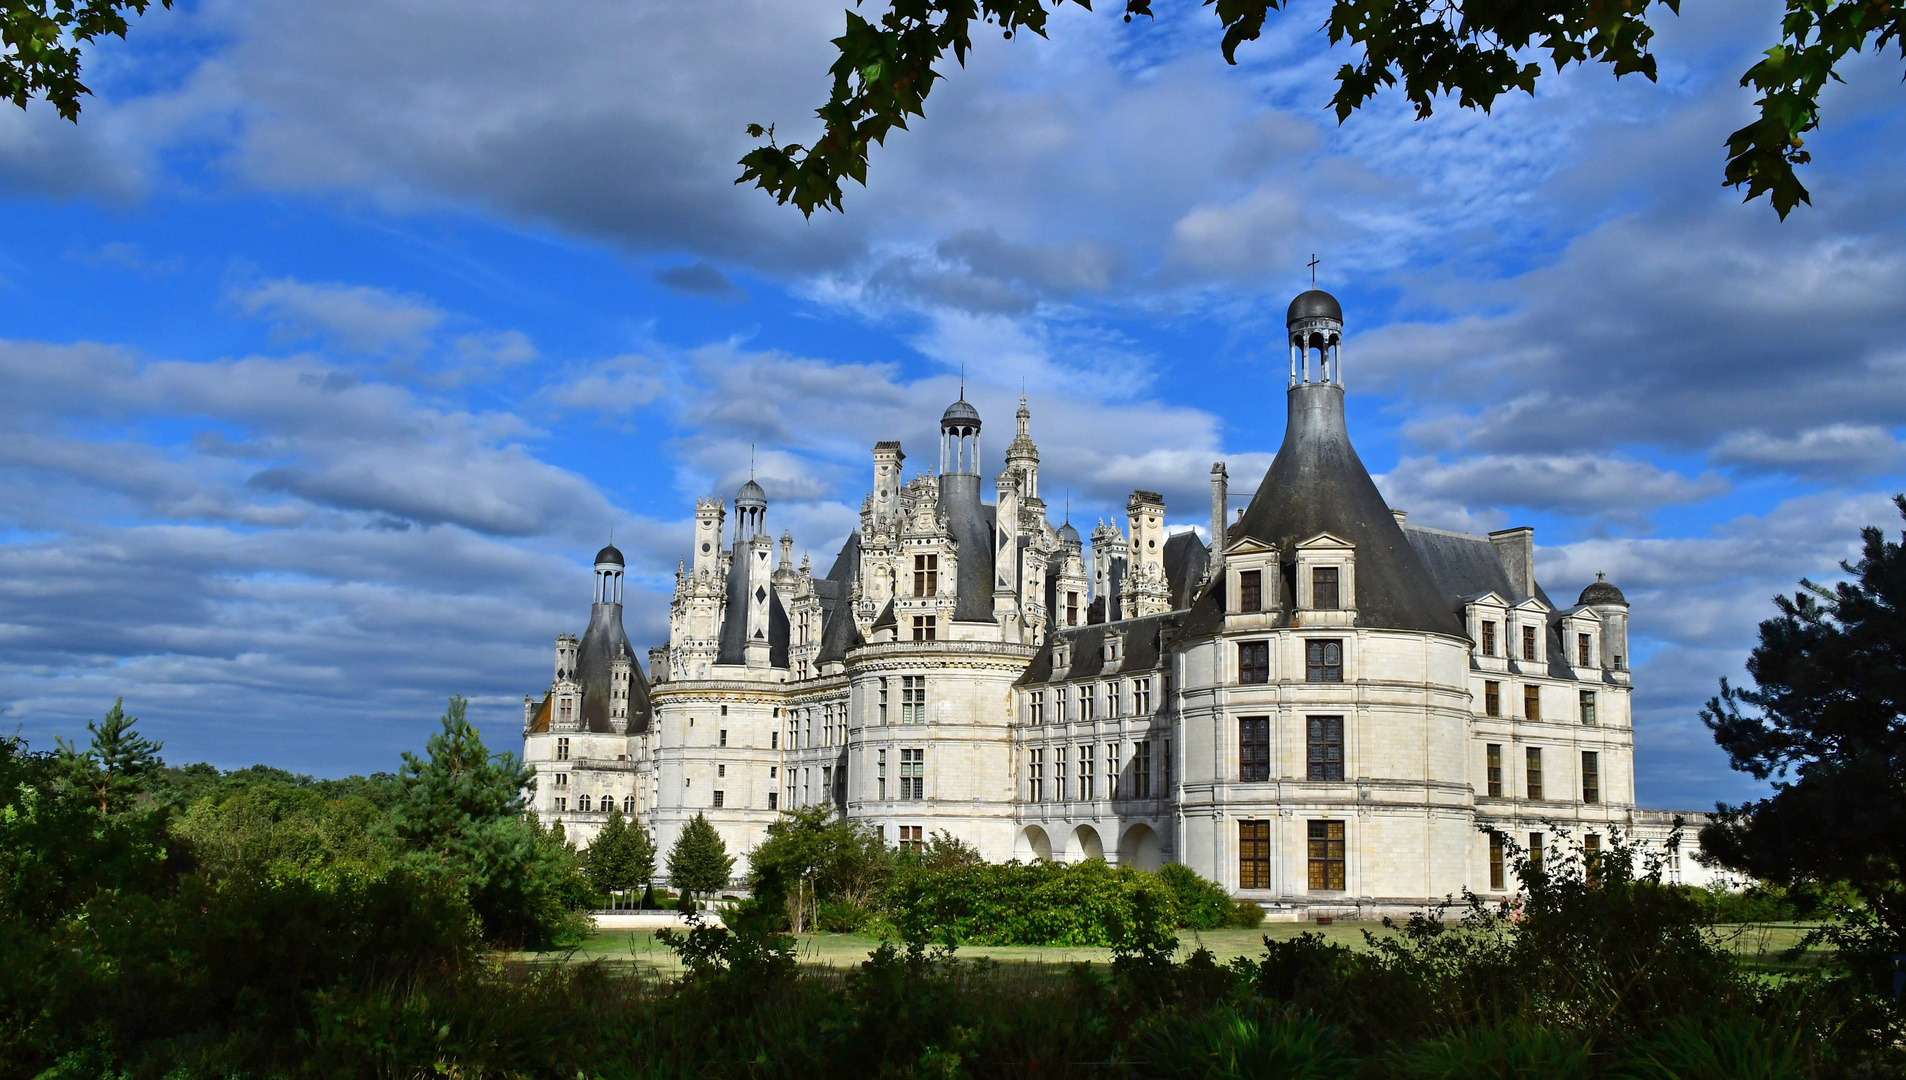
[[147, 913]]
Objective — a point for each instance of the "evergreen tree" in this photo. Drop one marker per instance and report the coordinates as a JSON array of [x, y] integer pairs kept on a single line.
[[699, 862], [116, 764], [621, 856], [1826, 724], [460, 811]]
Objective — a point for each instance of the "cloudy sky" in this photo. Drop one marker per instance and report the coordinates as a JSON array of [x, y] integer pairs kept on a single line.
[[337, 337]]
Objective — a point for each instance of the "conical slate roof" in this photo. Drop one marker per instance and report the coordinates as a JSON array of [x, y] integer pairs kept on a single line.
[[1317, 484], [601, 643]]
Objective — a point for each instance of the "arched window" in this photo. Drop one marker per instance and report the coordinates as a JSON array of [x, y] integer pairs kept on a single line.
[[582, 802], [628, 804]]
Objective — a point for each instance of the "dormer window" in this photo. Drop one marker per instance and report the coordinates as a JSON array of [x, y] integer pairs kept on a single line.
[[926, 576], [1528, 643], [1251, 590], [1583, 650], [1323, 588], [1489, 637]]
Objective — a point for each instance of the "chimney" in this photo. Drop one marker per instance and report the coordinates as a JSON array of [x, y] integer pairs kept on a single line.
[[1220, 506], [1515, 548]]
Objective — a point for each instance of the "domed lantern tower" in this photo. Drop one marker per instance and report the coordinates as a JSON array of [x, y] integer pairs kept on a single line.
[[1315, 324]]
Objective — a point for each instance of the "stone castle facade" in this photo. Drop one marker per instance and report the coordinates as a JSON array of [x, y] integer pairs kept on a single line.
[[1321, 710]]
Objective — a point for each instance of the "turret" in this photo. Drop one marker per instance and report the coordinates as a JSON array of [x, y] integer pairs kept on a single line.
[[1606, 600], [1145, 590], [709, 515]]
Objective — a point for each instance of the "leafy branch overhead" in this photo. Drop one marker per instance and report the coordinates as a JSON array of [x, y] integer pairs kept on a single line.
[[1471, 50], [40, 43]]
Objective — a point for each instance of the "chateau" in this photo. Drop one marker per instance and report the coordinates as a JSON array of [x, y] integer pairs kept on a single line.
[[1319, 710]]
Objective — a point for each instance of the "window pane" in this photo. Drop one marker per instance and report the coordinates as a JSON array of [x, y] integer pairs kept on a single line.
[[1254, 662], [1251, 590], [1254, 748], [1323, 660], [1323, 587]]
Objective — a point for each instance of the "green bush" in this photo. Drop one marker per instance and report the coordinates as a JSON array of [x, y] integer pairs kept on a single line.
[[1041, 903], [1248, 915], [840, 917], [1692, 1047], [1202, 904]]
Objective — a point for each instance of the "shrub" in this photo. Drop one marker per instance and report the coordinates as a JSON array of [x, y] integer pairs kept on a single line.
[[1041, 903], [840, 917], [1692, 1048], [1248, 915], [1202, 904]]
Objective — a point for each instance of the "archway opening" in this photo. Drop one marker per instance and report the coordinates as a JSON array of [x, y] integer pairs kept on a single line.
[[1141, 849], [1032, 845], [1086, 844]]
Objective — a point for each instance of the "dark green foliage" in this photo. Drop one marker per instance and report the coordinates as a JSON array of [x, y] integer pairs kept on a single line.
[[1691, 1047], [1826, 726], [1248, 1044], [1471, 50], [699, 862], [1512, 1051], [460, 813], [114, 765], [620, 857], [42, 46]]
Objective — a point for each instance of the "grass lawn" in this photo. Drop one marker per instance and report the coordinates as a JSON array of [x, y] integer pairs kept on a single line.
[[1760, 947]]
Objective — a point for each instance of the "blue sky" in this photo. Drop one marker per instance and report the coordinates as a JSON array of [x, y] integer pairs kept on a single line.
[[337, 338]]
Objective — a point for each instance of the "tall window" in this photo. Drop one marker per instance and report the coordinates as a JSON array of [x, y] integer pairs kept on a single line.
[[724, 737], [1489, 637], [1254, 662], [1036, 775], [926, 627], [1531, 703], [880, 773], [719, 797], [1492, 771], [562, 711], [1062, 698], [1323, 660], [1326, 854], [1254, 854], [1059, 789], [827, 782], [1114, 698], [883, 700], [1254, 748], [1072, 609], [1142, 769], [1250, 590], [1142, 696], [1495, 860], [1324, 740], [1535, 851], [926, 575], [1111, 770], [1591, 777], [913, 782], [582, 802], [562, 749], [913, 699], [1528, 643], [1323, 588], [1533, 768], [1582, 652], [1038, 706], [774, 740], [561, 804], [1588, 706], [1492, 699], [1085, 774], [1088, 700], [774, 800], [628, 805], [912, 838]]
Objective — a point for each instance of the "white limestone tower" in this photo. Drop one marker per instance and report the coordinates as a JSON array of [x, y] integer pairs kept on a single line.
[[1146, 592]]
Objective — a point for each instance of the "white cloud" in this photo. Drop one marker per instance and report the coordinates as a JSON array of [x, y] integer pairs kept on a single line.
[[356, 318], [1835, 449]]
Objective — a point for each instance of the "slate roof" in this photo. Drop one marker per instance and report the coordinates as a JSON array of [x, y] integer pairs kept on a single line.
[[599, 645], [1317, 484], [1146, 640], [1186, 558]]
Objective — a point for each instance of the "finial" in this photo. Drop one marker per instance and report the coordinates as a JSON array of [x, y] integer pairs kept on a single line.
[[1600, 576], [1313, 270], [962, 380], [751, 461]]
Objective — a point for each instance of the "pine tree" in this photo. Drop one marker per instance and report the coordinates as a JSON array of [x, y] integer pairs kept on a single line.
[[116, 764], [699, 862], [1825, 726], [621, 856]]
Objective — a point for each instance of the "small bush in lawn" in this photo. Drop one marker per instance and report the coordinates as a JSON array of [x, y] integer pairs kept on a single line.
[[1247, 915], [1202, 904]]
